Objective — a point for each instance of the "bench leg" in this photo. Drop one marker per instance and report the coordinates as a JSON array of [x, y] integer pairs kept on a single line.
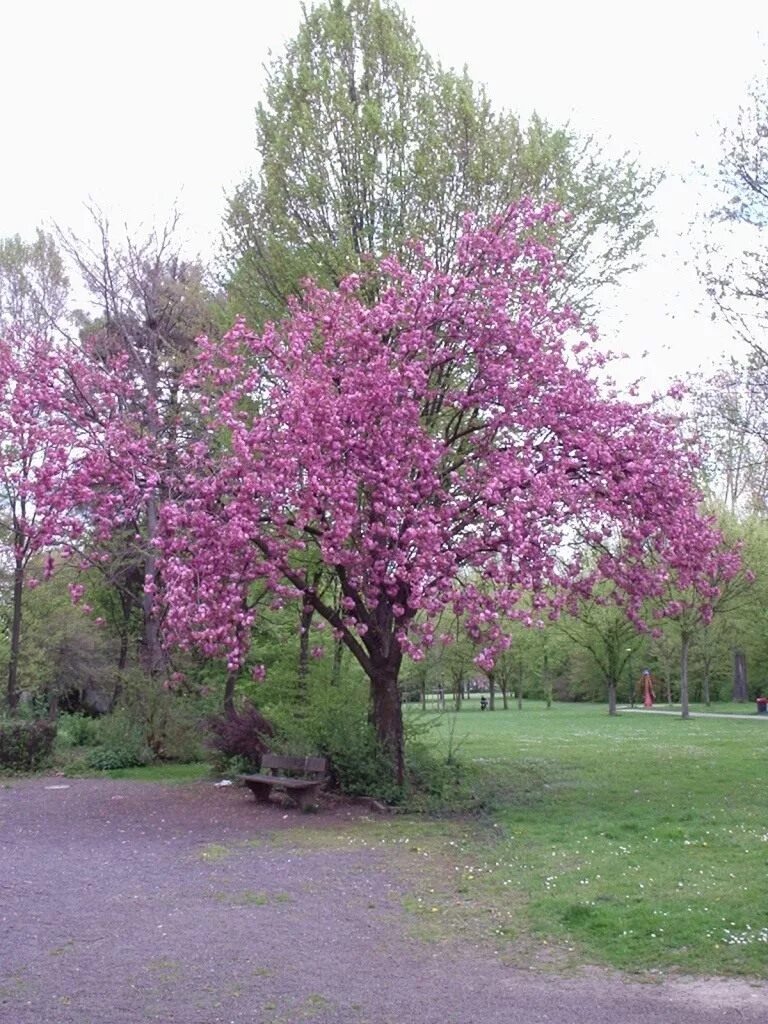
[[305, 798], [260, 790]]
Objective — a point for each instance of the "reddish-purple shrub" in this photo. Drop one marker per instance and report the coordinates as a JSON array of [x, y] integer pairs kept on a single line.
[[240, 734]]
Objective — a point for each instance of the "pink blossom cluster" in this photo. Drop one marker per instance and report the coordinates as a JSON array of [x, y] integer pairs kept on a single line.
[[434, 440]]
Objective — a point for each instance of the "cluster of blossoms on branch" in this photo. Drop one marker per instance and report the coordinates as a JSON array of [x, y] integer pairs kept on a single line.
[[434, 440]]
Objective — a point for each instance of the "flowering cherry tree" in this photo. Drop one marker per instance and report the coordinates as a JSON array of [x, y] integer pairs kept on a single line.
[[34, 444], [77, 464], [434, 440]]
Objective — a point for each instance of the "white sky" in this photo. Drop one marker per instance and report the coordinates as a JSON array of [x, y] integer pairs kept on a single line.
[[139, 104]]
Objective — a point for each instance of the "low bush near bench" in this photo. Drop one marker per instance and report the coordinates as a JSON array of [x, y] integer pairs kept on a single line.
[[26, 746]]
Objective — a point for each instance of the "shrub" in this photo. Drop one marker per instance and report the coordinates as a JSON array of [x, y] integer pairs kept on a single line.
[[121, 744], [77, 730], [26, 746], [106, 759], [165, 720], [238, 739], [433, 783], [334, 724]]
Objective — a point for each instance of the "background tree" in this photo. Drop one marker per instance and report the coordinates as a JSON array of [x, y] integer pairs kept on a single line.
[[609, 637], [735, 264], [66, 660], [150, 305], [34, 288], [730, 416], [34, 443], [365, 143]]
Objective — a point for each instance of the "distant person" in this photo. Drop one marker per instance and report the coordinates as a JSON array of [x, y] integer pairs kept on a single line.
[[440, 697], [483, 703], [646, 689]]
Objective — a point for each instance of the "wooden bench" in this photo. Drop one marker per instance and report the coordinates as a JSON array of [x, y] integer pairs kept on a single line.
[[300, 777]]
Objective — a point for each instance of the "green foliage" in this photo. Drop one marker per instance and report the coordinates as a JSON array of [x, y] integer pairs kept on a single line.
[[334, 723], [151, 724], [168, 723], [65, 655], [26, 746], [106, 759], [77, 730], [434, 780], [609, 639], [33, 285], [122, 743], [365, 143]]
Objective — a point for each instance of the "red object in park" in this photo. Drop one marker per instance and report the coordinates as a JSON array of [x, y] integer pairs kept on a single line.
[[762, 705], [648, 693]]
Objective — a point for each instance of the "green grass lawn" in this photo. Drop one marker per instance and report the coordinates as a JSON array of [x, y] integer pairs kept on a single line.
[[640, 841]]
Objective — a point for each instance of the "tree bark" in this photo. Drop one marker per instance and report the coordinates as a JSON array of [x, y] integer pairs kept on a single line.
[[612, 697], [305, 621], [458, 692], [387, 712], [151, 649], [13, 656], [229, 693], [684, 648], [338, 654]]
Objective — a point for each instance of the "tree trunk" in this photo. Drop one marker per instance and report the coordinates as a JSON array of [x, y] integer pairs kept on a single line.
[[685, 645], [612, 697], [458, 693], [13, 655], [705, 694], [305, 621], [491, 691], [387, 713], [338, 654], [151, 650], [740, 688], [122, 654], [229, 693]]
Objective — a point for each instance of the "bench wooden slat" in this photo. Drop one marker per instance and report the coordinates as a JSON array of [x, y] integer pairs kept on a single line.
[[285, 763], [282, 780]]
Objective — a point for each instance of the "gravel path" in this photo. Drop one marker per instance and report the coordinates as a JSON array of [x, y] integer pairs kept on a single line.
[[125, 903], [697, 714]]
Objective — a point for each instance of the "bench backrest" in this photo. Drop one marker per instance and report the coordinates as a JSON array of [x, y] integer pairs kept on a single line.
[[284, 764]]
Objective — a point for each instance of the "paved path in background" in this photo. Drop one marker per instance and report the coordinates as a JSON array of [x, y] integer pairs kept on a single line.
[[124, 903], [694, 714]]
